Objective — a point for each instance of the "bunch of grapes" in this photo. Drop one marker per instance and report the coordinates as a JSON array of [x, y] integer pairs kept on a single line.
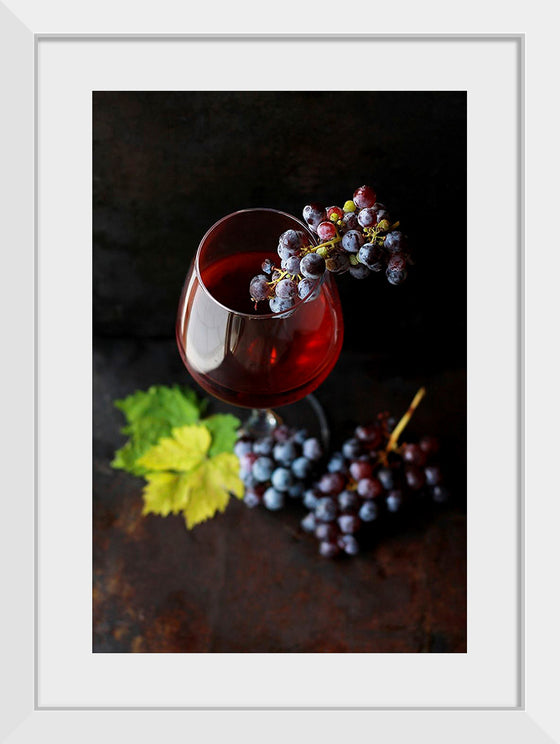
[[370, 478], [357, 238], [367, 481], [277, 467]]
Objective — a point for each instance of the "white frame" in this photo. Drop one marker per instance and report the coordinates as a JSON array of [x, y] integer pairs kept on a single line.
[[517, 724]]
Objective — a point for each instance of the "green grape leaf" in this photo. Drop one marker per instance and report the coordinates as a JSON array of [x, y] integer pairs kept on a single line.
[[183, 476], [177, 405], [223, 428], [151, 415]]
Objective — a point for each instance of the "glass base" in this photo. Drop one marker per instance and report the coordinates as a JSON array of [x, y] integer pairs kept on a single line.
[[306, 413]]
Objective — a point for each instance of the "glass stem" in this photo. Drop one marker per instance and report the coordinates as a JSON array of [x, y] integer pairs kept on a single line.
[[261, 422]]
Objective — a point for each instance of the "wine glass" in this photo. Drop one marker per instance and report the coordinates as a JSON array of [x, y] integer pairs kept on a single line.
[[243, 356]]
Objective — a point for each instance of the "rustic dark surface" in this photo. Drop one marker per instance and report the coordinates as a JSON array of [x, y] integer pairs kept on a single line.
[[250, 580]]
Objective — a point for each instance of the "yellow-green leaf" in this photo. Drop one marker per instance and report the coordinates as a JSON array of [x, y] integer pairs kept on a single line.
[[223, 428], [181, 452], [208, 487], [165, 493], [151, 414]]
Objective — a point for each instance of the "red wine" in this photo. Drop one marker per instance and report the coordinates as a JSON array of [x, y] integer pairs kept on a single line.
[[241, 356], [228, 279]]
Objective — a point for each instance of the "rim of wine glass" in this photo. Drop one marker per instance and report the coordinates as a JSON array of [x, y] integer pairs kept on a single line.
[[264, 316]]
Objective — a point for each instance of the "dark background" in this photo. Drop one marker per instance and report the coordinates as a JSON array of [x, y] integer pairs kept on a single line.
[[166, 166]]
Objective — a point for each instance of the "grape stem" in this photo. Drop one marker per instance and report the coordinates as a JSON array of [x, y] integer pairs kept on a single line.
[[327, 244], [282, 274], [397, 431], [378, 233]]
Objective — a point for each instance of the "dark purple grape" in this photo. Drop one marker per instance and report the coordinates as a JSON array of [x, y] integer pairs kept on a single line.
[[371, 435], [352, 449], [326, 510], [364, 196], [348, 501], [243, 447], [370, 488], [249, 480], [349, 523], [372, 256], [395, 242], [415, 477], [394, 501], [350, 221], [282, 433], [292, 265], [279, 305], [413, 454], [367, 217], [259, 288], [267, 266], [385, 475], [338, 262], [429, 445], [348, 544], [296, 491], [251, 499], [305, 289], [312, 266], [359, 271], [440, 494], [368, 511], [311, 498], [361, 469], [273, 499], [312, 449], [263, 446], [262, 469], [293, 240], [327, 532], [308, 523], [396, 269], [433, 475], [285, 453], [383, 218], [328, 549], [283, 252], [286, 289], [337, 464], [301, 467], [282, 479], [314, 214], [332, 483], [352, 241], [247, 461]]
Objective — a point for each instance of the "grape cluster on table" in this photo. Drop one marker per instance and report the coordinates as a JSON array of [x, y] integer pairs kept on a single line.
[[277, 467], [345, 491], [357, 238]]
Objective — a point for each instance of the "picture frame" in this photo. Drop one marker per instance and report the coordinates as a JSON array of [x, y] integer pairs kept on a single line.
[[27, 719]]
